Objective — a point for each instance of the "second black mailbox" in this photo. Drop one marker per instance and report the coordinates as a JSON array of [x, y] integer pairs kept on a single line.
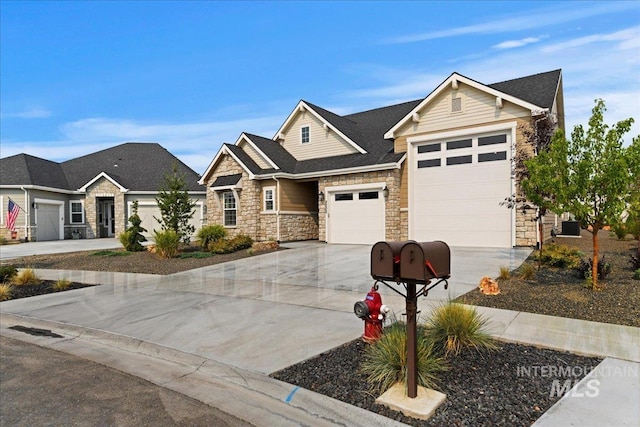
[[385, 260], [423, 261]]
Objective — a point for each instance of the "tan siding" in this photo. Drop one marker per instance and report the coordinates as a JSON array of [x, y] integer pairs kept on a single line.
[[255, 156], [298, 196], [322, 143], [400, 144], [478, 107], [18, 197], [404, 186]]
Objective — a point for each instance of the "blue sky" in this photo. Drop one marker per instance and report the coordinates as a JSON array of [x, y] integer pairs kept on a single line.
[[77, 77]]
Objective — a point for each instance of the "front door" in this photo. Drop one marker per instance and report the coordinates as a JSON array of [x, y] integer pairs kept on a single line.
[[107, 219]]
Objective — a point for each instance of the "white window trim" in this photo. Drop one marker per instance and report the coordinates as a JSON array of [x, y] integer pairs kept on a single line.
[[224, 209], [273, 198], [302, 127], [71, 202]]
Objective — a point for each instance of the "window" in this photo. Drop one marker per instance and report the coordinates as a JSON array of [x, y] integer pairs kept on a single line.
[[459, 160], [344, 196], [432, 163], [77, 212], [230, 213], [368, 195], [454, 145], [269, 199], [304, 134], [489, 140], [429, 148], [492, 157]]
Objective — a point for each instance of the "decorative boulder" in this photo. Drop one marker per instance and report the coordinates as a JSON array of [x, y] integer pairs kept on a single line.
[[488, 286], [270, 245]]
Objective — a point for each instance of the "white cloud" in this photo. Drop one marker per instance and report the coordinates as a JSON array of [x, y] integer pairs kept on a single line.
[[510, 44], [32, 113], [561, 13], [193, 143], [623, 40]]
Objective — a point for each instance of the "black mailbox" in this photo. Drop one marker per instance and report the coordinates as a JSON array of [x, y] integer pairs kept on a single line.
[[423, 261], [385, 260]]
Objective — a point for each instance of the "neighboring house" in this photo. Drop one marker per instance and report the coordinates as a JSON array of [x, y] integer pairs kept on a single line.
[[90, 196], [431, 169]]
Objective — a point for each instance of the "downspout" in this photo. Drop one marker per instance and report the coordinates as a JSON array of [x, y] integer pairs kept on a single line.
[[27, 223], [277, 203]]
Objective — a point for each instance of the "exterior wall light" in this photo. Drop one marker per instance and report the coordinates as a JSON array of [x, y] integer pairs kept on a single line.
[[321, 196]]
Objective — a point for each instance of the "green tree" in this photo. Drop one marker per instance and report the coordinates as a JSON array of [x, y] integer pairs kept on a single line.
[[591, 175], [176, 208], [132, 237]]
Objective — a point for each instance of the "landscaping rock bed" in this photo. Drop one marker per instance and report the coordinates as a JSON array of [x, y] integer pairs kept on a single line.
[[44, 287], [509, 387]]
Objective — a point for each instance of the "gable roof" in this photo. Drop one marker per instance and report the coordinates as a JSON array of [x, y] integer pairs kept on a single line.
[[523, 91], [133, 166]]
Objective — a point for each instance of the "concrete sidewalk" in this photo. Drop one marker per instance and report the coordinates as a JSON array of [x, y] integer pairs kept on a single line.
[[229, 326]]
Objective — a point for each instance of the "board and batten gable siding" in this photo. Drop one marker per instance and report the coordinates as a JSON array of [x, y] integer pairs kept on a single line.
[[255, 156], [298, 196], [322, 143]]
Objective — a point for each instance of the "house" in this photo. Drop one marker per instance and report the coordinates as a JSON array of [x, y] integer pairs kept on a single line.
[[90, 196], [435, 168]]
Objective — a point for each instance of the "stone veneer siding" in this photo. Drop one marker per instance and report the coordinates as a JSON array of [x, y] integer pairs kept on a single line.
[[103, 188], [392, 202]]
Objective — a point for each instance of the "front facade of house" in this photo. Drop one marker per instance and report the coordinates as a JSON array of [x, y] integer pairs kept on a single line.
[[430, 169], [90, 196]]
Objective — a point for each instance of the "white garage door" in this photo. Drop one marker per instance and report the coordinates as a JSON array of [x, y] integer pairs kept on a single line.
[[355, 216], [457, 188], [48, 222], [148, 213]]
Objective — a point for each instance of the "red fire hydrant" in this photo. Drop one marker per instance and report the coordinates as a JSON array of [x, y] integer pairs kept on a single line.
[[373, 312]]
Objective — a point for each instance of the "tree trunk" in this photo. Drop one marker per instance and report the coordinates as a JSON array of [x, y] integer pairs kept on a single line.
[[541, 238], [594, 267]]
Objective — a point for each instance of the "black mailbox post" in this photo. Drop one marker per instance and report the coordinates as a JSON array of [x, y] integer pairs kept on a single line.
[[411, 263]]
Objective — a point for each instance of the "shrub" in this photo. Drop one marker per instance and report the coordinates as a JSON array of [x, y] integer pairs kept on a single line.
[[7, 273], [227, 246], [453, 327], [385, 361], [585, 267], [3, 241], [26, 276], [527, 271], [634, 259], [632, 225], [505, 273], [5, 291], [167, 243], [61, 285], [211, 233], [110, 253], [562, 256], [620, 230], [132, 237], [636, 274]]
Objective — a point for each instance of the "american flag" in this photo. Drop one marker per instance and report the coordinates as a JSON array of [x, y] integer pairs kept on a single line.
[[12, 213]]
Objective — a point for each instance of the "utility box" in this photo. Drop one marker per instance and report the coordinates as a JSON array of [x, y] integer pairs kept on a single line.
[[422, 261], [385, 260]]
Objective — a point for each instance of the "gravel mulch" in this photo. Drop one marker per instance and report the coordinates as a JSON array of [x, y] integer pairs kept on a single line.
[[126, 262], [42, 288], [559, 292], [513, 386]]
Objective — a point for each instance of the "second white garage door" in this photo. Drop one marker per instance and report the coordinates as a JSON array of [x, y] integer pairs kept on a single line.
[[355, 216], [457, 189]]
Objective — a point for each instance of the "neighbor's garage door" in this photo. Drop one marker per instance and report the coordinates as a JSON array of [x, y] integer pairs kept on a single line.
[[48, 222], [356, 216], [148, 212], [457, 189]]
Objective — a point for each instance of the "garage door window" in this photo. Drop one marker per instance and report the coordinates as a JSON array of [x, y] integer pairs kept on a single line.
[[492, 157], [341, 197], [454, 145], [459, 160], [230, 213], [489, 140], [77, 213], [432, 163], [429, 148], [368, 195]]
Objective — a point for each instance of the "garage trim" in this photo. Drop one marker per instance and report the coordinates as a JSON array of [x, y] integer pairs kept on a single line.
[[60, 214], [331, 191], [509, 127]]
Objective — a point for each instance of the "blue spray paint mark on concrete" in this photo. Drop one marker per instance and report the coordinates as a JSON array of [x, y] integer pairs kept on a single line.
[[288, 399]]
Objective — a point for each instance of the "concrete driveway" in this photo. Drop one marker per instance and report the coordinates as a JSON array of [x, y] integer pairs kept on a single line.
[[261, 313]]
